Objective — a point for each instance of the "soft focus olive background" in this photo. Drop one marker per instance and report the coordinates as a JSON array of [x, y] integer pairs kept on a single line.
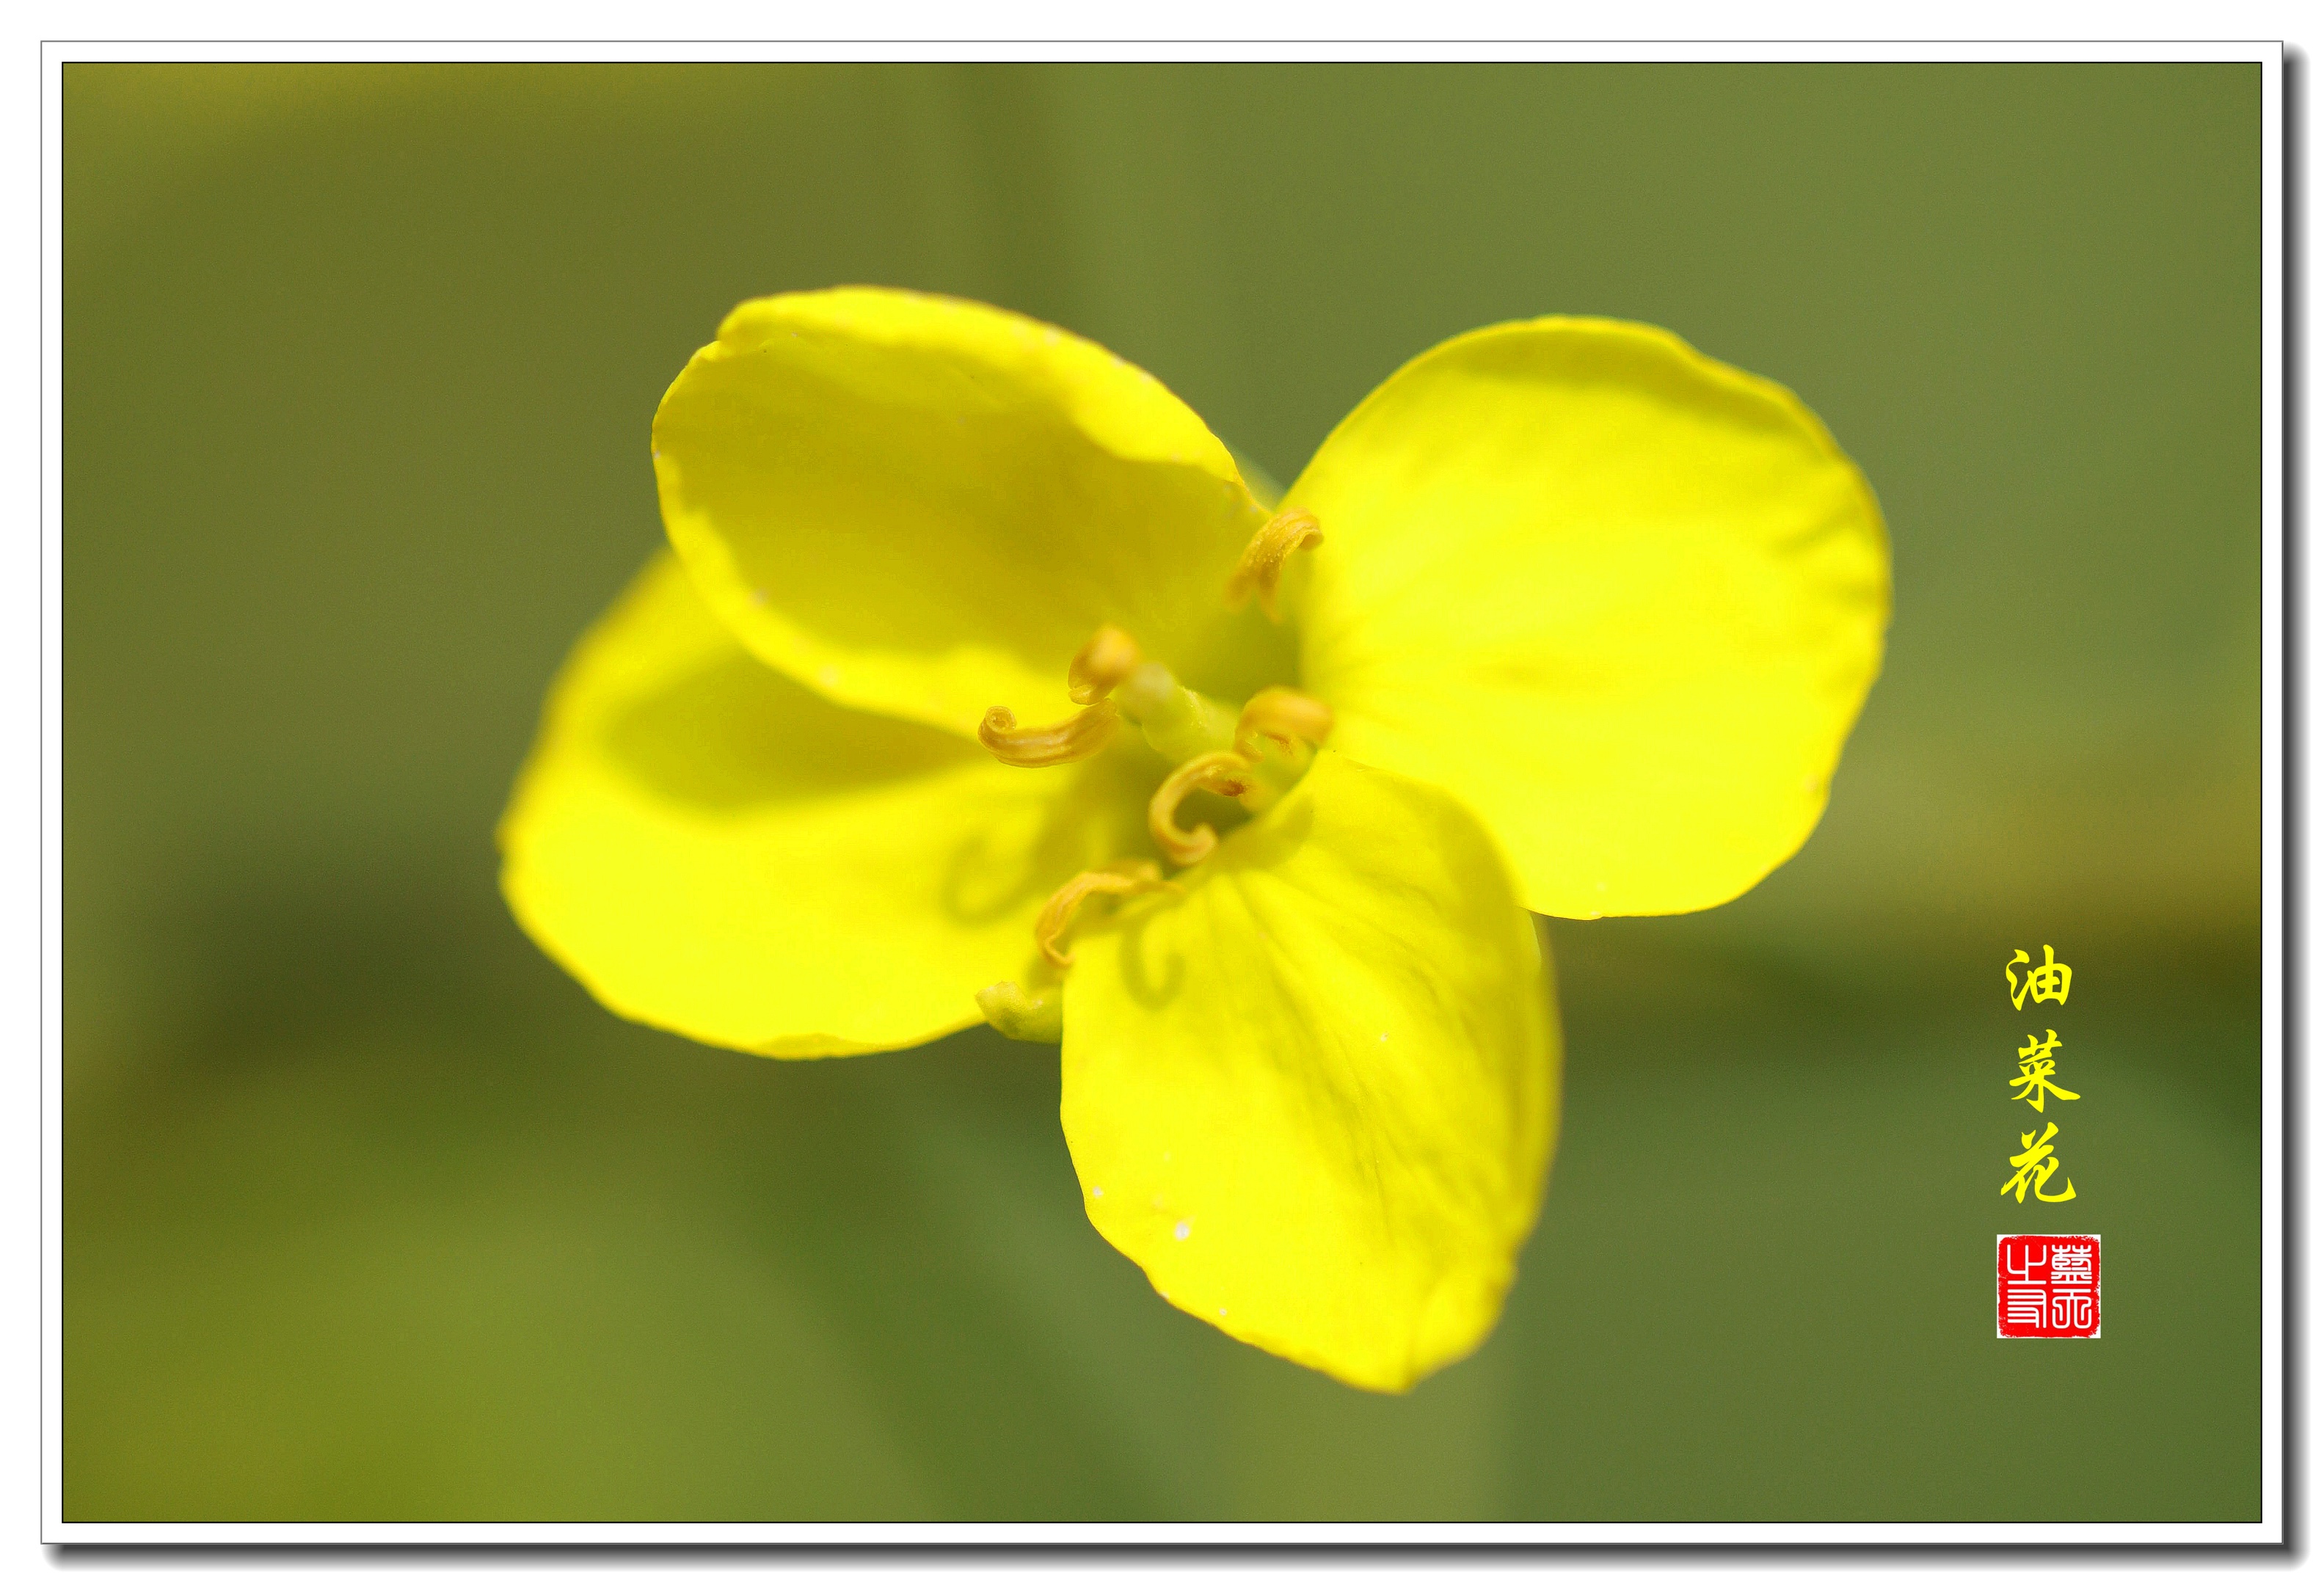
[[371, 1213]]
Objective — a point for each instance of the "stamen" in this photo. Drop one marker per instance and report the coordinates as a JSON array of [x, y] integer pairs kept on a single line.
[[1224, 772], [1284, 716], [1262, 567], [1110, 656], [1022, 1015], [1077, 738], [1121, 880]]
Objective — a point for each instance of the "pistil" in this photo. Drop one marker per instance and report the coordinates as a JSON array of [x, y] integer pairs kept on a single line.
[[1178, 722]]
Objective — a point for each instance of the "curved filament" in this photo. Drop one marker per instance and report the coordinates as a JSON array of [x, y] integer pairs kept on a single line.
[[1261, 570], [1224, 772], [1056, 918], [1076, 738]]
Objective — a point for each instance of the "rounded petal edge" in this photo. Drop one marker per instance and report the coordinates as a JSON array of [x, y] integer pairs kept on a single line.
[[923, 505], [1624, 599], [713, 850], [1314, 1096]]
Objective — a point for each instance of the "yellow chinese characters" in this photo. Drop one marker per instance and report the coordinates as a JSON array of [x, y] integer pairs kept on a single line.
[[2050, 980], [2034, 1067], [2037, 1065], [2034, 1168]]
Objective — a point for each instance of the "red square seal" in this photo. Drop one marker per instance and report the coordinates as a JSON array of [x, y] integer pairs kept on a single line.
[[2045, 1284]]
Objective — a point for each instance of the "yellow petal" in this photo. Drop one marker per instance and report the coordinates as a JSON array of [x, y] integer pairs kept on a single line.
[[925, 506], [1624, 600], [1314, 1095], [713, 850]]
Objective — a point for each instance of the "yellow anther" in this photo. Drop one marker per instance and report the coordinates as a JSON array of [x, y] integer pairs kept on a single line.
[[1224, 772], [1284, 716], [1077, 738], [1110, 656], [1021, 1014], [1120, 879], [1262, 567]]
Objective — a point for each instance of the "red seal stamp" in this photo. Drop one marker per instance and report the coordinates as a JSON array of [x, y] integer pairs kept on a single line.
[[2045, 1284]]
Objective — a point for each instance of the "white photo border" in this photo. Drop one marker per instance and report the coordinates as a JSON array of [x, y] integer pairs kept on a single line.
[[2270, 1530]]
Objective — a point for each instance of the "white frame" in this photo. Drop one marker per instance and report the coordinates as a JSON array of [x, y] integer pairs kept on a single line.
[[2269, 1530]]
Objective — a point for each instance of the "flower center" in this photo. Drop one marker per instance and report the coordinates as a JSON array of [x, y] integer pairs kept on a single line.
[[1254, 755]]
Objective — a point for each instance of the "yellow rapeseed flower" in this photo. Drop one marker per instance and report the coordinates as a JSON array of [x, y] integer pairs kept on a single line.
[[981, 685]]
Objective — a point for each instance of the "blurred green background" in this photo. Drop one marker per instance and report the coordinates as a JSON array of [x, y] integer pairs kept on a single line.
[[371, 1213]]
